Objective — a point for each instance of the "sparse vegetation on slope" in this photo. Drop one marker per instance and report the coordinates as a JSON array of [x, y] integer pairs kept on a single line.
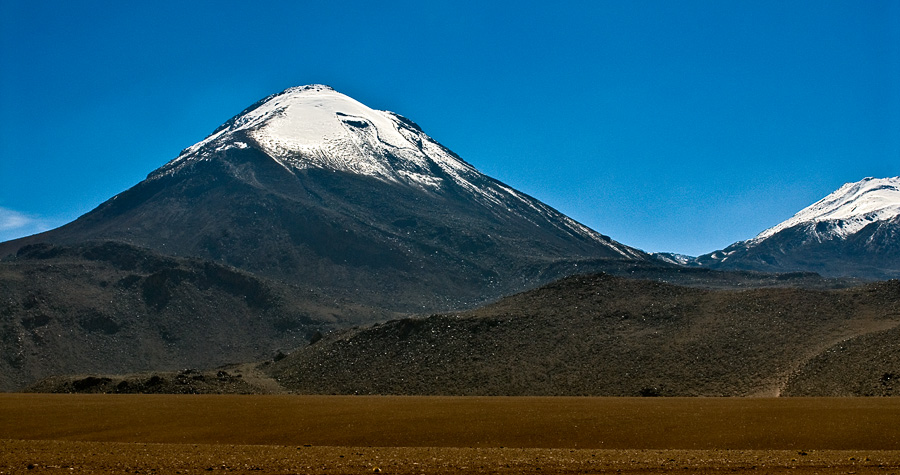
[[597, 335], [231, 379]]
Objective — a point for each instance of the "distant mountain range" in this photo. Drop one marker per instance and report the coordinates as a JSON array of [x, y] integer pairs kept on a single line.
[[311, 187]]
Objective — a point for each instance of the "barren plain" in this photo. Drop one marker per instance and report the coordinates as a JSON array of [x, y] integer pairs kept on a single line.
[[55, 433]]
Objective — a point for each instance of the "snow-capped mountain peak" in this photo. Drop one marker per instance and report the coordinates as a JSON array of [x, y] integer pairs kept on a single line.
[[852, 232], [317, 127], [849, 209]]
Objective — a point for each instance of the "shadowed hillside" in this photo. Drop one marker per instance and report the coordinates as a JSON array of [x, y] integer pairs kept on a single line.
[[110, 307]]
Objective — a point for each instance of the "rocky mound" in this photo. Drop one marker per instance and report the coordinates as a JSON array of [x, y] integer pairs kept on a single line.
[[599, 335]]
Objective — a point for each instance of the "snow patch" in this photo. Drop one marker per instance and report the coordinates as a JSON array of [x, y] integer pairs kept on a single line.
[[673, 258]]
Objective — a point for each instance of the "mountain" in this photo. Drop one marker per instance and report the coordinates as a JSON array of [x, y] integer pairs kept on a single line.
[[602, 335], [315, 189], [854, 231]]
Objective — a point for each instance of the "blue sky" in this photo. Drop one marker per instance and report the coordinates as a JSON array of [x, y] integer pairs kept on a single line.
[[669, 125]]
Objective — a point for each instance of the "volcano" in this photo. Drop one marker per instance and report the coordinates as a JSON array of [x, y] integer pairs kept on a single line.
[[313, 188]]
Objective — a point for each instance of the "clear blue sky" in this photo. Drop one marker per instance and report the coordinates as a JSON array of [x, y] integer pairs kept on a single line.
[[669, 125]]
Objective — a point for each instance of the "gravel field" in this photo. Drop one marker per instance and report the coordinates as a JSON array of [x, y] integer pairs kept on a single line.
[[103, 457]]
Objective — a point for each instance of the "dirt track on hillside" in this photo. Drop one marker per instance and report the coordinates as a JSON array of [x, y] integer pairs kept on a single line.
[[413, 435]]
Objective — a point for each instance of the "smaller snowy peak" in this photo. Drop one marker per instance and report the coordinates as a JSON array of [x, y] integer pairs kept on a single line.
[[849, 209]]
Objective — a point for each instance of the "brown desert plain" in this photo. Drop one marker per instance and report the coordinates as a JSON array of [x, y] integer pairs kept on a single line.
[[290, 434]]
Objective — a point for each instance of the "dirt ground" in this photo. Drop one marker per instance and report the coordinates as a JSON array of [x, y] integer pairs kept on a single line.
[[42, 433]]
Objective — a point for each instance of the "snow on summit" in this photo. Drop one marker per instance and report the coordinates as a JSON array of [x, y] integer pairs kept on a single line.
[[849, 209], [317, 127]]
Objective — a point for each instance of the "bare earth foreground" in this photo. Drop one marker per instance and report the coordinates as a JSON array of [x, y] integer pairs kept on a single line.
[[49, 433]]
